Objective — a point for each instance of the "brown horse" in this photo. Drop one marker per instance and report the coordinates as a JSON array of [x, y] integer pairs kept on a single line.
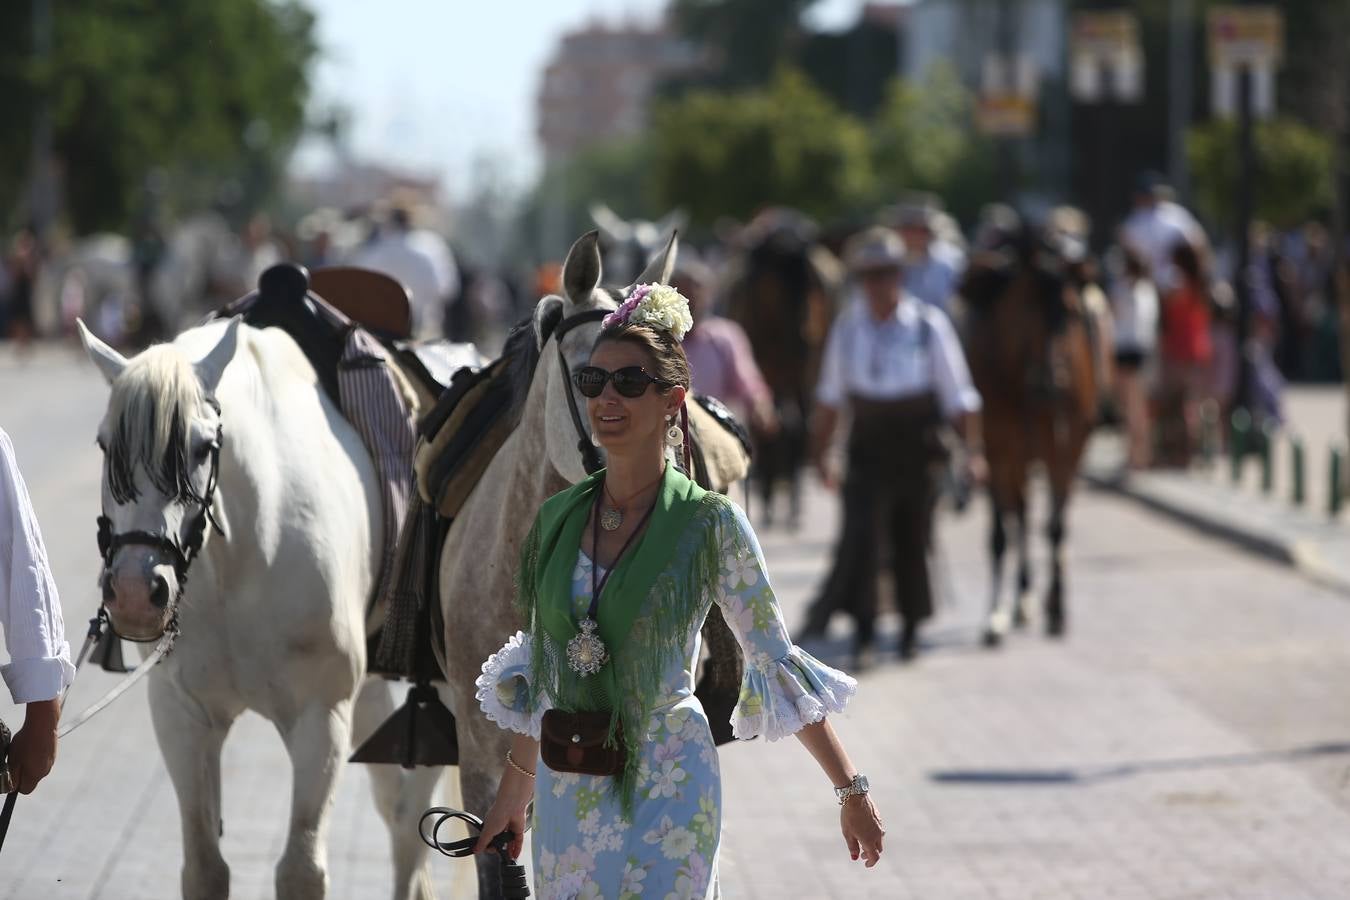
[[1029, 343], [782, 292]]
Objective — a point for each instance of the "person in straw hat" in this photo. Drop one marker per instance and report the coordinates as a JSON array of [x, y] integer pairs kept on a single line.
[[894, 365]]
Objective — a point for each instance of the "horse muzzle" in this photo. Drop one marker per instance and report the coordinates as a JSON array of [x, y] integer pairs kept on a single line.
[[140, 595]]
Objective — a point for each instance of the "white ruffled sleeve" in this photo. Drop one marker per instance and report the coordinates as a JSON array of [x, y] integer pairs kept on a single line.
[[784, 688], [504, 687]]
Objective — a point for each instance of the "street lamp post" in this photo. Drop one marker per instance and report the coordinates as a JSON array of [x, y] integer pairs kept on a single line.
[[1107, 73], [1245, 45]]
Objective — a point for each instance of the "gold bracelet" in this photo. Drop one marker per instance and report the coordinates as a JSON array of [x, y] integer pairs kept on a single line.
[[515, 765]]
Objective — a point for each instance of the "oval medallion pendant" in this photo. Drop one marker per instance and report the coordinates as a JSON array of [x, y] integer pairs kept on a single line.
[[586, 653], [610, 519]]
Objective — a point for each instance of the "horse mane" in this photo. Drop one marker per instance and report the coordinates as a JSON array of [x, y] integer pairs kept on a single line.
[[520, 353], [151, 404]]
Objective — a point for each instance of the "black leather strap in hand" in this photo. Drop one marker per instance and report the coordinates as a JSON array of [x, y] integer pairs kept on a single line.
[[6, 784], [514, 884]]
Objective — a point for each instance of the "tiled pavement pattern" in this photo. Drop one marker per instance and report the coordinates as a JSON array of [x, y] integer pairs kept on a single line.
[[1188, 740]]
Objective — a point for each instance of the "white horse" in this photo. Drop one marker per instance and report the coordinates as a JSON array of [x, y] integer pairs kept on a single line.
[[541, 457], [628, 244], [224, 441]]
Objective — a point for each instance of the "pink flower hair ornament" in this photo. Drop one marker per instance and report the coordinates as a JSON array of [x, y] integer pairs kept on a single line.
[[656, 306]]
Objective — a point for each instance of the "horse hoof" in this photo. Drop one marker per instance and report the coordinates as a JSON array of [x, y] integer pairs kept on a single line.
[[1021, 619], [1054, 627], [992, 638]]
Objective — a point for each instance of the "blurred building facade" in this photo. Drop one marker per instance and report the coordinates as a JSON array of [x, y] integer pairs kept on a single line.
[[597, 86]]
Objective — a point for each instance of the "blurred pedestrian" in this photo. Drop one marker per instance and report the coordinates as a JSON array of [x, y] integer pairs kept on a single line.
[[39, 668], [721, 362], [932, 270], [1134, 306], [1157, 224], [22, 265], [1187, 347], [413, 257], [894, 365], [261, 250]]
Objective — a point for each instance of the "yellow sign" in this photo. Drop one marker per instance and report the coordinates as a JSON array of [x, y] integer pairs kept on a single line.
[[1245, 35], [1006, 115], [1106, 33]]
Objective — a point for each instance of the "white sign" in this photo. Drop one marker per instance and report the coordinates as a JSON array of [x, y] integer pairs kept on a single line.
[[1250, 38], [1106, 59], [1224, 88], [1245, 35], [1004, 76]]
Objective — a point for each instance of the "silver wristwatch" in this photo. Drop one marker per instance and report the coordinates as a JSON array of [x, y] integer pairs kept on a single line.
[[854, 788]]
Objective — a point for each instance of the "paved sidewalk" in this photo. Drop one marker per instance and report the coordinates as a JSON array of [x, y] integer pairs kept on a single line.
[[1188, 741], [1306, 537]]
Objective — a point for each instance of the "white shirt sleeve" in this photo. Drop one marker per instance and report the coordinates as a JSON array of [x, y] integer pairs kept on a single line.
[[832, 387], [956, 392], [30, 610]]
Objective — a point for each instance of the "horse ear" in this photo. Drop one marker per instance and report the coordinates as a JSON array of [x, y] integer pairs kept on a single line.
[[672, 221], [547, 314], [615, 228], [212, 365], [662, 264], [109, 361], [581, 270]]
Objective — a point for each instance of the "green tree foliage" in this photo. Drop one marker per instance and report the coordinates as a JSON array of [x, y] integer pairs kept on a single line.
[[199, 90], [924, 140], [730, 154], [1294, 166]]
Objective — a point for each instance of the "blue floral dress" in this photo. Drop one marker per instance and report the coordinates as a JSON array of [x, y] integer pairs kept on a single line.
[[582, 846]]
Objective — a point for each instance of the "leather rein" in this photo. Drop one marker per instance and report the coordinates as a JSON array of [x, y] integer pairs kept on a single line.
[[590, 454], [182, 553]]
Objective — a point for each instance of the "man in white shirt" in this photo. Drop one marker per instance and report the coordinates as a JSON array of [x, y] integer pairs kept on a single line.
[[895, 364], [421, 262], [1157, 225], [30, 613]]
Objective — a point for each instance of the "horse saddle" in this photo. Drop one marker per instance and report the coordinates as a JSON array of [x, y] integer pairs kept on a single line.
[[320, 321], [461, 434]]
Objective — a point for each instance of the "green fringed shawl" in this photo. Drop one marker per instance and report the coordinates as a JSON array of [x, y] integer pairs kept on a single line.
[[646, 611]]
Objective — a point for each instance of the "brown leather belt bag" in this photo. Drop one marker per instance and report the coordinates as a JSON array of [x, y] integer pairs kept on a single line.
[[575, 742]]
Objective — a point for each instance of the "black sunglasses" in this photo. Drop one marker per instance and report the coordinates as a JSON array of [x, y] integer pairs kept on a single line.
[[630, 381]]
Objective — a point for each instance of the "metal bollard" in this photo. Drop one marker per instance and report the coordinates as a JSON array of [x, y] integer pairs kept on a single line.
[[1210, 432], [1296, 454], [1268, 466], [1335, 494], [1240, 428]]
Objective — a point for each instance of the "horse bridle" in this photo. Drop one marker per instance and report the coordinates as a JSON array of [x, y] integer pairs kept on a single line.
[[590, 455], [183, 553]]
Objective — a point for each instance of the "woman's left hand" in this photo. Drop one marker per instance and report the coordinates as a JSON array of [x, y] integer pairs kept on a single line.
[[862, 828]]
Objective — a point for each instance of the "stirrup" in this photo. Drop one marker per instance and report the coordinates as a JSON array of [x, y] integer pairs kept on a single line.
[[420, 733]]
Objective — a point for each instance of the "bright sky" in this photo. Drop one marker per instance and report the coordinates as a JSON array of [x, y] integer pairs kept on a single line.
[[435, 84]]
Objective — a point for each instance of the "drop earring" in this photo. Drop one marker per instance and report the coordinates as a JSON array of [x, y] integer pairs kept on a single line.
[[674, 436]]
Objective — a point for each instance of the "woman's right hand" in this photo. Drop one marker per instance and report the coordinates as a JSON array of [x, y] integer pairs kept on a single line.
[[508, 813]]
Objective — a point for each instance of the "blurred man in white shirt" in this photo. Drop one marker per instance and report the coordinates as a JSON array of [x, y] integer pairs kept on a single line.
[[421, 261], [893, 363], [1157, 225], [39, 667]]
